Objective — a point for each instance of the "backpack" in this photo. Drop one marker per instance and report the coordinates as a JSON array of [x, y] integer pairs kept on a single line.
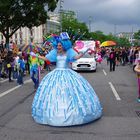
[[111, 55]]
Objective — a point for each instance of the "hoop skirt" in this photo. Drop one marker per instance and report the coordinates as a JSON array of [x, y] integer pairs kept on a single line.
[[65, 98]]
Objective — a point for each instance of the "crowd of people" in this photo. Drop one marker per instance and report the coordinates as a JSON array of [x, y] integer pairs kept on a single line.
[[123, 56], [120, 56], [58, 100], [11, 67], [15, 65]]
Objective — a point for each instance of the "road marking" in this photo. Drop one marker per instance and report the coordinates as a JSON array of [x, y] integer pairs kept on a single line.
[[114, 91], [104, 72], [3, 81], [14, 88], [28, 81]]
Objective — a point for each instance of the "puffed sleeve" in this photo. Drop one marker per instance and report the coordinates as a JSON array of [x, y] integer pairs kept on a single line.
[[71, 53], [51, 56]]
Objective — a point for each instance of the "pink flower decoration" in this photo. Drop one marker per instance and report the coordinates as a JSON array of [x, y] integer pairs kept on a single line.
[[79, 44]]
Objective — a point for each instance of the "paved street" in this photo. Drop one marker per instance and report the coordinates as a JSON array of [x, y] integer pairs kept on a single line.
[[117, 92]]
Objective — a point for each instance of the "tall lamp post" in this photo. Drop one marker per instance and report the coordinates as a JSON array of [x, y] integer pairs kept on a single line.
[[132, 35], [31, 35], [115, 29], [20, 35], [60, 12], [89, 19]]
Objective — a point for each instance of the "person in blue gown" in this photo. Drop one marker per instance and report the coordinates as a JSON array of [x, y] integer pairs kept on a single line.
[[64, 97]]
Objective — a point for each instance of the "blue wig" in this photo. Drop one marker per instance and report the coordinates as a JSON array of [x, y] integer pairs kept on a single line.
[[66, 44], [63, 39]]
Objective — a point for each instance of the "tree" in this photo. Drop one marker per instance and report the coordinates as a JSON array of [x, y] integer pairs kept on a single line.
[[15, 14], [137, 35], [70, 24], [137, 38], [123, 42], [98, 35]]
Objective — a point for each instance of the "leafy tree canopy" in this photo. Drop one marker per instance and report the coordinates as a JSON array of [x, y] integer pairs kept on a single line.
[[75, 29], [137, 35], [23, 13]]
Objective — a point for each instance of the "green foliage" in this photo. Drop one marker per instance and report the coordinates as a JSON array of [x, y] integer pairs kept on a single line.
[[75, 29], [137, 38], [78, 30], [123, 42], [137, 35], [98, 35], [23, 13]]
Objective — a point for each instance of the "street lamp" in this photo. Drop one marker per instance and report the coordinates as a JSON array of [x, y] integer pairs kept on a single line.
[[20, 35], [31, 35], [115, 29], [89, 19], [60, 12], [132, 36]]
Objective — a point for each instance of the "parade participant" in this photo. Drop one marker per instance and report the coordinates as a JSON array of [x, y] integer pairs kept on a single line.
[[99, 58], [9, 61], [0, 64], [15, 70], [136, 60], [137, 70], [34, 68], [47, 63], [64, 97], [112, 59], [21, 69]]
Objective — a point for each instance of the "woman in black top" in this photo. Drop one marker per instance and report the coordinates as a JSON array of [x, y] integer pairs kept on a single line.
[[9, 61]]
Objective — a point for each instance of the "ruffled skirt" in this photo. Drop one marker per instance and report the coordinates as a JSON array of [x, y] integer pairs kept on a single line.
[[65, 98]]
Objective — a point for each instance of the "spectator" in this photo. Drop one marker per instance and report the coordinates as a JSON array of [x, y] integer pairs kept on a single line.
[[0, 64], [137, 70], [20, 70], [34, 68], [9, 61], [112, 59]]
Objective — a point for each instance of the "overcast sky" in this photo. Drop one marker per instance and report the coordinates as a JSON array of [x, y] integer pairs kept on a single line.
[[107, 15]]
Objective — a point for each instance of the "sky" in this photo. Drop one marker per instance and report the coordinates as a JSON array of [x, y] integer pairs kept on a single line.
[[108, 16]]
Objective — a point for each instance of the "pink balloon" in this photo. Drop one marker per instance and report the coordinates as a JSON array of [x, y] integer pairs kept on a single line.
[[97, 43], [79, 45]]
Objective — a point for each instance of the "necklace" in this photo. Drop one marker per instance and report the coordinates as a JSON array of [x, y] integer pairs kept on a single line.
[[61, 52]]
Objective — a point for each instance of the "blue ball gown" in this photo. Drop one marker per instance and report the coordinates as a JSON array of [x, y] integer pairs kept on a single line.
[[65, 98]]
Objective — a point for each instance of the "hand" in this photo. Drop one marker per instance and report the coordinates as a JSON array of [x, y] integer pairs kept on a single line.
[[33, 54], [84, 50], [90, 45]]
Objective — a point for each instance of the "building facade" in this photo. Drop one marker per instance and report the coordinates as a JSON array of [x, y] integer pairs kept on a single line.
[[35, 34], [127, 35]]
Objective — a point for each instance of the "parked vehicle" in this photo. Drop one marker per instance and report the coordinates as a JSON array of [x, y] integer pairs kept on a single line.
[[86, 63]]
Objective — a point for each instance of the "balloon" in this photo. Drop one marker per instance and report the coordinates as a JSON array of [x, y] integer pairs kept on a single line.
[[79, 44], [97, 43]]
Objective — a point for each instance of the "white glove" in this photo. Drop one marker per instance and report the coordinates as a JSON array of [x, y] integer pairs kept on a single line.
[[84, 50], [33, 54], [90, 44]]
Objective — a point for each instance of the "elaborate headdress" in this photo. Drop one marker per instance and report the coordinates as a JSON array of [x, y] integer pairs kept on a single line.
[[66, 44], [63, 39]]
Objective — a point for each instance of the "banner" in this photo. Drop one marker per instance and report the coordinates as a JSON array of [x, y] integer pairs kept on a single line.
[[82, 44]]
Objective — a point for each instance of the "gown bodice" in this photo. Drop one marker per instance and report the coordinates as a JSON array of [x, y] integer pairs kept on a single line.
[[62, 61]]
